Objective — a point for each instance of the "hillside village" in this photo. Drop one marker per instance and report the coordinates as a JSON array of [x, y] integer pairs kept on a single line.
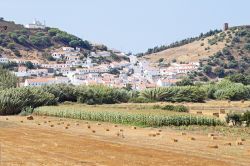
[[138, 74]]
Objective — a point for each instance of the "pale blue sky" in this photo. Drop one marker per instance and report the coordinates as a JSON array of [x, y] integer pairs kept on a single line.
[[130, 25]]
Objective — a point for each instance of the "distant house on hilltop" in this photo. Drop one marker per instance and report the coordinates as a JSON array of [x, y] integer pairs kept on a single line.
[[35, 25]]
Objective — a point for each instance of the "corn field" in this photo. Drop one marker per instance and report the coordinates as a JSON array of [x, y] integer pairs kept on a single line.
[[130, 118]]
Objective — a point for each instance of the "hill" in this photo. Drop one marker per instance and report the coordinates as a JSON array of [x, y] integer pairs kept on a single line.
[[222, 54], [16, 41]]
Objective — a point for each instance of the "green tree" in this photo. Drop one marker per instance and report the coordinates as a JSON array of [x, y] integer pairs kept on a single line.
[[7, 79], [219, 71]]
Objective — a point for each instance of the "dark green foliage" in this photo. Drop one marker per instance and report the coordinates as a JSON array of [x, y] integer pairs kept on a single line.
[[235, 118], [246, 117], [7, 79], [62, 92], [14, 100], [219, 71], [177, 108], [101, 95], [184, 82], [207, 69], [29, 65], [175, 94]]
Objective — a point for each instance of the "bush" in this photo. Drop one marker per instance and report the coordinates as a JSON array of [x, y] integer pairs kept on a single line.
[[14, 100], [177, 108], [235, 118], [246, 117], [7, 79], [100, 94]]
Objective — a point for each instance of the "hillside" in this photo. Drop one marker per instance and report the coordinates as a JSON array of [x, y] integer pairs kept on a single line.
[[220, 55], [16, 41]]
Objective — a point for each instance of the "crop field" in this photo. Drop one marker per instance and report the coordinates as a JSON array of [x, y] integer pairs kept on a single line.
[[146, 116]]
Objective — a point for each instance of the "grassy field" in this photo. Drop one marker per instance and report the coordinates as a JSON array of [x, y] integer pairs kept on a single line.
[[134, 114]]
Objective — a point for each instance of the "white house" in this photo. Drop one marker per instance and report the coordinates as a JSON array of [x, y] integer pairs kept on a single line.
[[46, 81], [166, 82], [68, 49], [4, 60], [35, 25]]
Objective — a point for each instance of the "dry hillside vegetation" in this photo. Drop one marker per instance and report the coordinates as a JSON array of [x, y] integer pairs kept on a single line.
[[191, 52]]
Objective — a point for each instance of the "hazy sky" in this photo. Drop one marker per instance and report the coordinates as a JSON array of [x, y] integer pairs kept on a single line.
[[130, 25]]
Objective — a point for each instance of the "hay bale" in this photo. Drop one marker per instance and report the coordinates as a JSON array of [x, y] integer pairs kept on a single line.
[[121, 130], [89, 126], [52, 125], [175, 140], [152, 135], [93, 131], [183, 133], [239, 143], [99, 124], [228, 144], [38, 124], [158, 133], [7, 119], [66, 127], [159, 130], [68, 124], [115, 125], [107, 129], [30, 117], [60, 119], [58, 123], [45, 122], [199, 112], [216, 114], [21, 121], [192, 139], [213, 146], [49, 121], [134, 127], [77, 124]]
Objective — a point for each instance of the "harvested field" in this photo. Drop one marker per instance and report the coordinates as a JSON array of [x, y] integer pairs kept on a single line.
[[30, 144]]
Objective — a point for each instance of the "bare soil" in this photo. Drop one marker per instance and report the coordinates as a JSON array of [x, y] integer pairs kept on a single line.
[[25, 142]]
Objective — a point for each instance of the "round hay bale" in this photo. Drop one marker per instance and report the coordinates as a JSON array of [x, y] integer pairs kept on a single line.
[[121, 130], [58, 123], [49, 121], [99, 124], [175, 140], [52, 125], [183, 133], [66, 127], [21, 121], [30, 117], [89, 126], [60, 119], [134, 127], [159, 130], [214, 138], [158, 133], [93, 131], [107, 129], [192, 139], [45, 122], [38, 124], [77, 124], [68, 124], [115, 125], [7, 119], [241, 139]]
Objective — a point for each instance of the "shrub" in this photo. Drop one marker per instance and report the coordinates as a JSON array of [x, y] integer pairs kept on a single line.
[[177, 108], [235, 118], [7, 79], [246, 117], [100, 94], [14, 100]]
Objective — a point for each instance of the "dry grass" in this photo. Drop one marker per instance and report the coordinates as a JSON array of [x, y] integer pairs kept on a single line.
[[191, 52]]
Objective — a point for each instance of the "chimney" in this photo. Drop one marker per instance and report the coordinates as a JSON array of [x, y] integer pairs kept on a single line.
[[225, 26]]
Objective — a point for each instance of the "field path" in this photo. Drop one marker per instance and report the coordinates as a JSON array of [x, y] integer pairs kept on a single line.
[[29, 144]]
